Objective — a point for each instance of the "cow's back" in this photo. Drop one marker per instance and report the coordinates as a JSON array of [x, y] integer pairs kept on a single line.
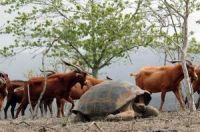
[[151, 79]]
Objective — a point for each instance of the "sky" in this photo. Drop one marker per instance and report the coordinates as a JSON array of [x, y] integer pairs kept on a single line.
[[19, 65]]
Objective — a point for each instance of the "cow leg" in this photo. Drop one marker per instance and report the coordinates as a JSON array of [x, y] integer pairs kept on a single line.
[[163, 93], [50, 109], [179, 97], [41, 108], [6, 107], [58, 102], [22, 107], [72, 102], [45, 108], [62, 107], [13, 109], [198, 102]]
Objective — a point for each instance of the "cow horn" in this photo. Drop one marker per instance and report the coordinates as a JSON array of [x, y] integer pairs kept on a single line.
[[108, 78], [188, 62], [50, 72], [174, 61], [68, 64]]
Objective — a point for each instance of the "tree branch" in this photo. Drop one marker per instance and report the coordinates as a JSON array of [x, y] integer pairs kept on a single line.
[[138, 7], [81, 55], [167, 4], [109, 59]]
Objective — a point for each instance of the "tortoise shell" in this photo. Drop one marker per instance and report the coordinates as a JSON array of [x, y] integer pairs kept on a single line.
[[109, 98]]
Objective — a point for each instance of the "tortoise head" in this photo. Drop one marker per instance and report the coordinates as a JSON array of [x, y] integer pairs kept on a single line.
[[144, 98]]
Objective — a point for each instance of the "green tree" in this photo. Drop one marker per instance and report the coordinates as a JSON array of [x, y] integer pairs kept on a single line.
[[90, 33]]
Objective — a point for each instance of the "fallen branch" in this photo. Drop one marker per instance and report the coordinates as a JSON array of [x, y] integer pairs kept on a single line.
[[21, 122], [95, 124], [46, 127]]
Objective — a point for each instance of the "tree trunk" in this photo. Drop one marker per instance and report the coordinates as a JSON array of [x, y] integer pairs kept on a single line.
[[183, 55], [165, 59], [95, 72]]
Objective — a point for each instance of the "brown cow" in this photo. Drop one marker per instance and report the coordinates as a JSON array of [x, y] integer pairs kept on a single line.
[[196, 86], [76, 92], [4, 82], [164, 79], [196, 83], [58, 86], [15, 94]]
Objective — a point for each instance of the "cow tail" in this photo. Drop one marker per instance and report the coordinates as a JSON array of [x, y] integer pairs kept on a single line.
[[132, 74], [29, 98]]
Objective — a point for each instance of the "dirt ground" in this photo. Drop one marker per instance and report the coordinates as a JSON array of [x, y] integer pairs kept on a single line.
[[166, 121]]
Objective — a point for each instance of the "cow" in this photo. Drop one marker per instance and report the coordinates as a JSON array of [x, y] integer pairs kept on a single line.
[[76, 92], [196, 86], [15, 93], [57, 86], [4, 82], [164, 79]]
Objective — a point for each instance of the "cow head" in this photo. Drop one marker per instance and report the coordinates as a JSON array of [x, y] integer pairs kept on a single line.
[[80, 74], [4, 82], [191, 71], [81, 78]]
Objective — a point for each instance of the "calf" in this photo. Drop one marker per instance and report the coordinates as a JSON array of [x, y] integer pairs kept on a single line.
[[58, 86], [164, 79]]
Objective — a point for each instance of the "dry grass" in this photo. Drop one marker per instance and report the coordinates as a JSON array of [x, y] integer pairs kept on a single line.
[[166, 121]]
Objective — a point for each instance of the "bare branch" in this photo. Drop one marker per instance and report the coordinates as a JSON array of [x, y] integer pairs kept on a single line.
[[167, 4], [63, 15], [93, 124], [81, 55], [138, 7], [45, 75], [51, 45]]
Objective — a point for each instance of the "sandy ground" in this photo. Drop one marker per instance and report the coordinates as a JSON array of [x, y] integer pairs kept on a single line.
[[166, 121]]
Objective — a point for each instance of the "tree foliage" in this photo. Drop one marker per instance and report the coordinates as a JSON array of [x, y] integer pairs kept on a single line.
[[91, 33]]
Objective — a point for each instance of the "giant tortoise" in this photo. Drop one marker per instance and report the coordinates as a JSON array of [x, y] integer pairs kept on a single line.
[[114, 100]]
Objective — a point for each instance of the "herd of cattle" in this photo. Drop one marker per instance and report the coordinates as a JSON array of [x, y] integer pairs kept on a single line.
[[69, 86]]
